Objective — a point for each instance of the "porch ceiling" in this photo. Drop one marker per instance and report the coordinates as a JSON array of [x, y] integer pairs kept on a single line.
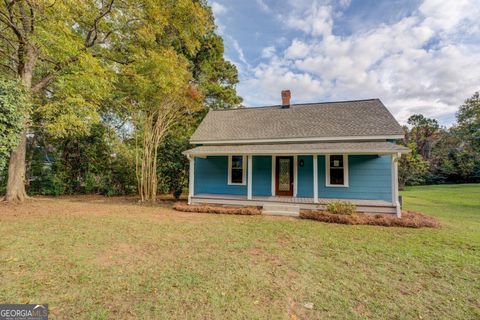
[[380, 147]]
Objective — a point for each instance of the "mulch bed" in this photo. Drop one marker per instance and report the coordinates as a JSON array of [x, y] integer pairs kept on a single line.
[[409, 219], [248, 211]]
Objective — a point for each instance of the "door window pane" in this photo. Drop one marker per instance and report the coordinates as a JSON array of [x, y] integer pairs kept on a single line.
[[284, 174]]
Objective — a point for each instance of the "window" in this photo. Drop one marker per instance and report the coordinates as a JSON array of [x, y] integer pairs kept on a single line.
[[337, 170], [236, 170]]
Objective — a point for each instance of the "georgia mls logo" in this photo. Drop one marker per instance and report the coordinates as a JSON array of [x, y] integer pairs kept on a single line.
[[23, 311]]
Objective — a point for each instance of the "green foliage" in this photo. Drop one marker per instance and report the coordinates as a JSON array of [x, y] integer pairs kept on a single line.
[[468, 118], [173, 165], [341, 207], [78, 96], [412, 169], [97, 163], [441, 155], [424, 131], [216, 76], [128, 59], [14, 104]]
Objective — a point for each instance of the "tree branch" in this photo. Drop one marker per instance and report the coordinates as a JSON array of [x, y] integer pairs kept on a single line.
[[8, 20], [89, 41], [45, 81], [6, 66]]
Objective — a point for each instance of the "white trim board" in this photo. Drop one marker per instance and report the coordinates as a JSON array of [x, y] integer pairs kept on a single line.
[[298, 152], [309, 139], [250, 176], [191, 181]]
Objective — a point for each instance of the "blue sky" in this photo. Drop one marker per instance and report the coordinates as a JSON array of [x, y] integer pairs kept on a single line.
[[418, 56]]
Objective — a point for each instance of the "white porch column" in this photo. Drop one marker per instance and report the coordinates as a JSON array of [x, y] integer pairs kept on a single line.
[[315, 178], [273, 175], [295, 175], [249, 179], [395, 201], [191, 179]]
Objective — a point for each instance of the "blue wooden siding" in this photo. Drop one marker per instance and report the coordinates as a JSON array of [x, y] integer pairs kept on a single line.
[[305, 176], [211, 176], [262, 176], [370, 177]]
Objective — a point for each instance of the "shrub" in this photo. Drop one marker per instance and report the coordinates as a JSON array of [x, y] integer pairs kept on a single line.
[[341, 207]]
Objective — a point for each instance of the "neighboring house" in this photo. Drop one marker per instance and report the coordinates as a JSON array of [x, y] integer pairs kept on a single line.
[[304, 155]]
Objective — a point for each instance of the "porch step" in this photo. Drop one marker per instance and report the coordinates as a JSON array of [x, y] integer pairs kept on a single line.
[[281, 210]]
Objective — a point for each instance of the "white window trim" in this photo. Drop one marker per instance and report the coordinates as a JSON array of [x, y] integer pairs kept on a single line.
[[345, 172], [244, 172]]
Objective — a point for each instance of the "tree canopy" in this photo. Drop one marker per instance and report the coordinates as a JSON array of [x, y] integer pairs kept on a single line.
[[441, 155], [131, 64]]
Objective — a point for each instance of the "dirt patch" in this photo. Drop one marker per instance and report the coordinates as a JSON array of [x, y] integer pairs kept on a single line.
[[62, 207], [409, 219], [248, 211]]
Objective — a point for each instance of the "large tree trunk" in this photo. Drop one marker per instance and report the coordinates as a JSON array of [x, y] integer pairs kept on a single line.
[[16, 172], [16, 166]]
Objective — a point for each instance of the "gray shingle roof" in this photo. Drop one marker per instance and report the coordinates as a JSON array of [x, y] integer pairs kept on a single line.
[[300, 148], [317, 120]]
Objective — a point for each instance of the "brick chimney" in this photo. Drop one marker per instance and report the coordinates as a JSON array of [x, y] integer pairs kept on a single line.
[[286, 98]]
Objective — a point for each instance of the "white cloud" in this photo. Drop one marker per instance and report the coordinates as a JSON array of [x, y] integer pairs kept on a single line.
[[265, 87], [315, 20], [344, 3], [218, 8], [268, 52], [263, 6], [445, 15], [297, 49], [425, 62]]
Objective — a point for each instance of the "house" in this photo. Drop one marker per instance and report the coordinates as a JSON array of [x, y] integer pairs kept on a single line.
[[298, 155]]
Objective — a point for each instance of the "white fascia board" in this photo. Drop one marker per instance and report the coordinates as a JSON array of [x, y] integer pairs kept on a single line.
[[312, 139], [301, 152]]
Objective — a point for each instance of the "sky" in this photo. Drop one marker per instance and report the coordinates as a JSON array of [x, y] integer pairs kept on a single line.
[[417, 56]]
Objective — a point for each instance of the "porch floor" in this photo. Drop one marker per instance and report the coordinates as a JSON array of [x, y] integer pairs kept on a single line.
[[366, 206]]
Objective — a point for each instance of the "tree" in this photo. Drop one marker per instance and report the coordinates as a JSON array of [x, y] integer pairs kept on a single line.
[[157, 85], [154, 60], [468, 123], [412, 168], [14, 105], [172, 164], [424, 132], [44, 40], [215, 76], [159, 105]]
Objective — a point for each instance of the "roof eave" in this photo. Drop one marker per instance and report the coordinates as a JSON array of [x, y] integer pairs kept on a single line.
[[288, 140], [192, 152]]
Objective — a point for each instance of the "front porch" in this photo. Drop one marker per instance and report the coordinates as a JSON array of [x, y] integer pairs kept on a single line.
[[363, 206], [304, 175]]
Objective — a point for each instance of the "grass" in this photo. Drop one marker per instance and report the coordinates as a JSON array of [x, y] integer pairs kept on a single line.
[[97, 258]]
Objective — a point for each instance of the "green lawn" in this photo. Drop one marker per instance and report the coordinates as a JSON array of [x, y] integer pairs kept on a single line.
[[99, 258]]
